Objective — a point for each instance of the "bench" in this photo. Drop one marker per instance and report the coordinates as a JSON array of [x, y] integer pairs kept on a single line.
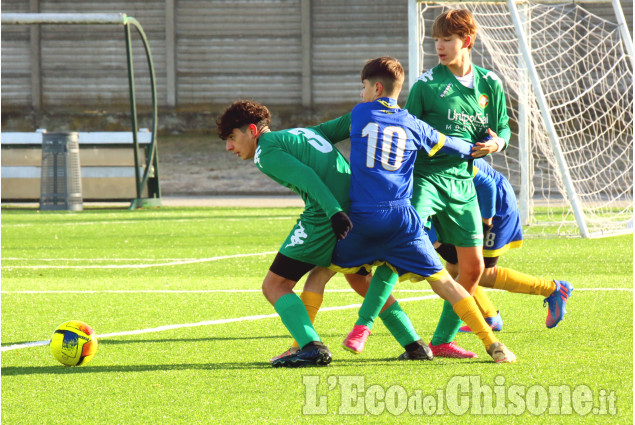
[[106, 159]]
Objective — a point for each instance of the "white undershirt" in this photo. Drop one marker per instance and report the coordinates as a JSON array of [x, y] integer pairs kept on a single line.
[[467, 80]]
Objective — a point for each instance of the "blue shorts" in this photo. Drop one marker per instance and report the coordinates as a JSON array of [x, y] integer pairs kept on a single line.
[[393, 235], [507, 232]]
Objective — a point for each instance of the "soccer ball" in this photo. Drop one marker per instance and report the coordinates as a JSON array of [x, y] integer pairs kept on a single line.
[[73, 343]]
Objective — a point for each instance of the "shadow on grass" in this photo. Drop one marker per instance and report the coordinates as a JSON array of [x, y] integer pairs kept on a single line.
[[337, 364], [109, 341]]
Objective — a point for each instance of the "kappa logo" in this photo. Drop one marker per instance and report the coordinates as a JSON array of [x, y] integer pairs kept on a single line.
[[298, 236], [491, 75], [257, 156], [426, 76]]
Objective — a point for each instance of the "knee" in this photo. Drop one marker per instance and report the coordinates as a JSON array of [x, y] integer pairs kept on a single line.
[[471, 271], [275, 286]]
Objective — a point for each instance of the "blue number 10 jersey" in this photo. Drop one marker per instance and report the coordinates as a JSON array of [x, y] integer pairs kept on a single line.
[[384, 143]]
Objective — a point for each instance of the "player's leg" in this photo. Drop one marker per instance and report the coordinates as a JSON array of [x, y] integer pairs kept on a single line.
[[490, 314], [556, 292], [394, 318], [506, 234], [297, 257], [278, 289], [375, 298], [312, 296], [464, 218], [280, 279], [466, 309]]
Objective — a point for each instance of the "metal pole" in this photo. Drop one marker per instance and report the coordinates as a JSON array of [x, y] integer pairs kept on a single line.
[[413, 42], [624, 32], [152, 159], [551, 131], [133, 111], [524, 137]]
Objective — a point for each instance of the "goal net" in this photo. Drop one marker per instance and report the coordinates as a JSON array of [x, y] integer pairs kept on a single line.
[[571, 163]]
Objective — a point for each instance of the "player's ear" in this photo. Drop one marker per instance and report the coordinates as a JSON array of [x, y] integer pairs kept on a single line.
[[379, 89], [467, 42], [253, 130]]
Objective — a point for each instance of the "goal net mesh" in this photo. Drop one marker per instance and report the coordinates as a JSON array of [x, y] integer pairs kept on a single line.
[[587, 79]]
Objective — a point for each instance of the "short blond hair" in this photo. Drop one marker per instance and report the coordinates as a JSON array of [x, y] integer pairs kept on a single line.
[[456, 21]]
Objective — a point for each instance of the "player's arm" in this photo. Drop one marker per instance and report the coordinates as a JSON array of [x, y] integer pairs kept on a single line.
[[498, 139], [503, 130], [335, 130], [485, 191], [433, 142], [287, 169]]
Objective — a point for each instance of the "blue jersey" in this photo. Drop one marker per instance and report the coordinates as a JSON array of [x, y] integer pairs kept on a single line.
[[384, 143]]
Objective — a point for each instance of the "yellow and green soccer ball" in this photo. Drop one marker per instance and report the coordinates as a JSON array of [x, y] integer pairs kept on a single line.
[[73, 343]]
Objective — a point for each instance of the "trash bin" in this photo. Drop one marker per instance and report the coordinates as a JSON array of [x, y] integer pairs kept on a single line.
[[61, 179]]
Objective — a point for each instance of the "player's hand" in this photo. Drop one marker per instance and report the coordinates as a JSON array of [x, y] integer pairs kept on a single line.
[[341, 225], [487, 146]]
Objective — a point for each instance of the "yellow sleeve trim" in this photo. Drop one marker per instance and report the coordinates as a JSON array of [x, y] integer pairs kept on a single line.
[[438, 146]]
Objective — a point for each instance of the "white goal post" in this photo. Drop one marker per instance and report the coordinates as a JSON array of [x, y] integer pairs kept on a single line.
[[568, 79]]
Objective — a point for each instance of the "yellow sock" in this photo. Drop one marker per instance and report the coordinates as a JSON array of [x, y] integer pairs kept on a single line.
[[520, 283], [484, 303], [467, 311], [312, 302]]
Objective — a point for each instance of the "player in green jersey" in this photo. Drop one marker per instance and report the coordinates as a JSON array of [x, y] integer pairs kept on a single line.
[[304, 160], [463, 100]]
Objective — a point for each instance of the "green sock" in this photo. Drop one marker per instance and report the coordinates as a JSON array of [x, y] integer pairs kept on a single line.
[[378, 292], [398, 323], [448, 327], [296, 319]]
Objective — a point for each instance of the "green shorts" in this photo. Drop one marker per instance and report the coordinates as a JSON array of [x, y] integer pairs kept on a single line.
[[311, 240], [453, 206]]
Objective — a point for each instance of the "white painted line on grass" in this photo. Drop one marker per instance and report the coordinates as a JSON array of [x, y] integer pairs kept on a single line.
[[204, 323], [179, 220], [243, 319], [141, 266]]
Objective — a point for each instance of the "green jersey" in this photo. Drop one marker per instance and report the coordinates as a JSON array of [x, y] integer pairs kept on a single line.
[[305, 161], [439, 99]]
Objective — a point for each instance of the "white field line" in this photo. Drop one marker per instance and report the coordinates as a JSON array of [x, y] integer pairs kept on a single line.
[[230, 291], [204, 323], [96, 259], [140, 266], [242, 319], [180, 220]]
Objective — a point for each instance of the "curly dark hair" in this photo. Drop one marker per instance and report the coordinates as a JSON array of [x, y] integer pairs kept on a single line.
[[240, 114]]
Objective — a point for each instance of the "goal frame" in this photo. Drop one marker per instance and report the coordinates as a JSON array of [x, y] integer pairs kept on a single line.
[[524, 198], [150, 177]]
